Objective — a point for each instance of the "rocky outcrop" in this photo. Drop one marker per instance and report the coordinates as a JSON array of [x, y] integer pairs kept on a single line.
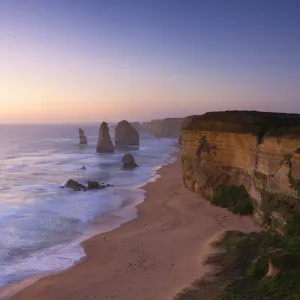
[[91, 185], [260, 151], [75, 186], [82, 137], [184, 123], [169, 128], [105, 144], [129, 162], [136, 125], [126, 134]]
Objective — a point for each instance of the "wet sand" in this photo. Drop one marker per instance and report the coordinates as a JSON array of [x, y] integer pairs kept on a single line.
[[151, 257]]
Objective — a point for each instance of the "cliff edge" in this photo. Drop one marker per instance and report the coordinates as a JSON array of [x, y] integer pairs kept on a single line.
[[257, 150]]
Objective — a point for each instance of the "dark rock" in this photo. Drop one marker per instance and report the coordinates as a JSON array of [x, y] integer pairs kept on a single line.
[[82, 137], [128, 162], [136, 125], [105, 144], [93, 185], [83, 168], [75, 186], [126, 134]]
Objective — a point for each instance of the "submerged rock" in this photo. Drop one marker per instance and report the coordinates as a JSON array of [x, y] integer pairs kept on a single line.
[[94, 185], [105, 144], [91, 185], [128, 162], [82, 137], [126, 134], [75, 186]]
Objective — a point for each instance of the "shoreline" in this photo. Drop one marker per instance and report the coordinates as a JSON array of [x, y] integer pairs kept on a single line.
[[153, 256], [102, 224]]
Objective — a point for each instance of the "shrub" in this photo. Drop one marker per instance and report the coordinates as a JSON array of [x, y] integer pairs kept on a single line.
[[235, 198]]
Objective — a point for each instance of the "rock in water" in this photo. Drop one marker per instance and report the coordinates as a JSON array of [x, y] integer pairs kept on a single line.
[[82, 137], [105, 144], [94, 185], [126, 134], [74, 185], [91, 185], [128, 162]]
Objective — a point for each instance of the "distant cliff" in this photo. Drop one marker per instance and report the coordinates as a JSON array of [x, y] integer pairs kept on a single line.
[[170, 127], [260, 151]]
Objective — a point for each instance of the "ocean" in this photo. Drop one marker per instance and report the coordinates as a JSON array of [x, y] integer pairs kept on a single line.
[[41, 224]]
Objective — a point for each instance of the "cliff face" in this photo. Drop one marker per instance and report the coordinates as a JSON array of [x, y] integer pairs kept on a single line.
[[169, 127], [258, 150]]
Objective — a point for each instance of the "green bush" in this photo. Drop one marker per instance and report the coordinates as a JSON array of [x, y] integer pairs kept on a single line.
[[258, 268], [292, 227], [242, 265], [235, 198]]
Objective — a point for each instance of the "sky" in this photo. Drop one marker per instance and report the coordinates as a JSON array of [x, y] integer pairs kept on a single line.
[[71, 61]]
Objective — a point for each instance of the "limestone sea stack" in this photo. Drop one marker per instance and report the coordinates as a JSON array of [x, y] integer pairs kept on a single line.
[[105, 144], [128, 162], [126, 134], [82, 137]]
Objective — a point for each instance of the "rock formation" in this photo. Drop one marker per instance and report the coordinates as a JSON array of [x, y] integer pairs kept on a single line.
[[75, 186], [128, 162], [91, 185], [105, 144], [169, 128], [257, 150], [82, 137], [126, 134], [94, 185], [272, 270], [136, 125]]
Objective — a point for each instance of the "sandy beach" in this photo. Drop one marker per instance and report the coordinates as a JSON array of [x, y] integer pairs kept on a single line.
[[153, 256]]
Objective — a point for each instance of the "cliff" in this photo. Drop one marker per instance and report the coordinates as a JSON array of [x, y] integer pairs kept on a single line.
[[170, 127], [260, 151]]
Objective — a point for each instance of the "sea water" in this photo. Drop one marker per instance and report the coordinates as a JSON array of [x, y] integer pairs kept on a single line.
[[41, 224]]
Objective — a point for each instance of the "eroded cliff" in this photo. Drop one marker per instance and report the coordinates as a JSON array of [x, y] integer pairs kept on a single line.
[[260, 151], [170, 127]]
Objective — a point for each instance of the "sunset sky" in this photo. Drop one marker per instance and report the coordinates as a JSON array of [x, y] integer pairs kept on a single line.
[[87, 61]]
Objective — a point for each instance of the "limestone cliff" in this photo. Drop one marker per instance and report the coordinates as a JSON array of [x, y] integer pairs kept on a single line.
[[104, 144], [82, 137], [126, 134], [170, 127], [258, 150]]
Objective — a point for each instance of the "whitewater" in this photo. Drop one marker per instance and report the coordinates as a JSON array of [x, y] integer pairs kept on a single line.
[[42, 225]]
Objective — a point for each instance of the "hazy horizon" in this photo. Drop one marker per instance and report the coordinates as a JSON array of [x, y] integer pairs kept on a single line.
[[70, 62]]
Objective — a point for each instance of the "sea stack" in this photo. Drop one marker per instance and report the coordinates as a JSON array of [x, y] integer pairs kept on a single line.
[[82, 137], [126, 134], [105, 144], [129, 162]]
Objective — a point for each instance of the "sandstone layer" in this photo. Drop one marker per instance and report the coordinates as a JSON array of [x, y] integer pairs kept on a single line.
[[260, 151], [169, 128], [105, 144], [126, 134]]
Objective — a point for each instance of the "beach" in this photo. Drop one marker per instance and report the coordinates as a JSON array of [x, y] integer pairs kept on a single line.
[[153, 256]]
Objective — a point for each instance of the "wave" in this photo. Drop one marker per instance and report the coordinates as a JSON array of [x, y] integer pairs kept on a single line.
[[42, 225]]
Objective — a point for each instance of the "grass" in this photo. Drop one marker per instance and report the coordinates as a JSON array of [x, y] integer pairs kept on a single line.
[[235, 198], [242, 264]]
